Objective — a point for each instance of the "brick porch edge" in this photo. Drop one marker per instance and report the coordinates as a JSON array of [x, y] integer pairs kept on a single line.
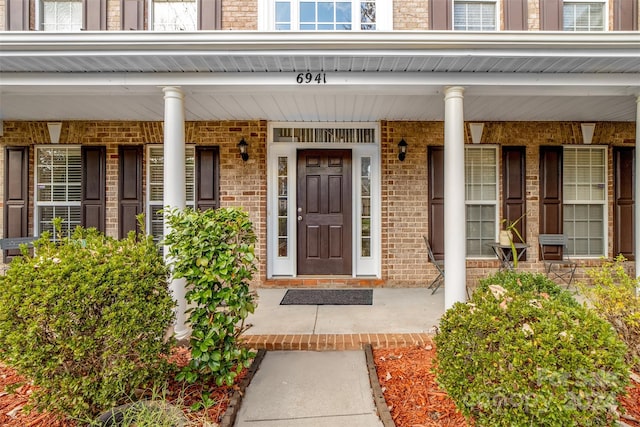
[[326, 342]]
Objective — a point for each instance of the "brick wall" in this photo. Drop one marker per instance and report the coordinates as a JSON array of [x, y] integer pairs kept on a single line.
[[411, 15], [240, 15]]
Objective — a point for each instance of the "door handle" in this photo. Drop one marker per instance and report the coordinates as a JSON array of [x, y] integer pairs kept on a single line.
[[299, 217]]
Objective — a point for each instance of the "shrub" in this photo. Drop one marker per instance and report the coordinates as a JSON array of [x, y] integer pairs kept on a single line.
[[613, 297], [85, 319], [523, 353], [214, 251]]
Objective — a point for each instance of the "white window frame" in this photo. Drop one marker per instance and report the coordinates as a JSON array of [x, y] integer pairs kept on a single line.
[[267, 18], [482, 202], [363, 266], [152, 17], [588, 202], [605, 13], [40, 17], [150, 204], [496, 18], [38, 185]]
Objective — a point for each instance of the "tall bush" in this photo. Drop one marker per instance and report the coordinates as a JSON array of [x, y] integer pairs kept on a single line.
[[214, 251], [613, 296], [85, 319], [522, 352]]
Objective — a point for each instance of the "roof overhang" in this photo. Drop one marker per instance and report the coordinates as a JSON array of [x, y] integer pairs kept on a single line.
[[369, 76]]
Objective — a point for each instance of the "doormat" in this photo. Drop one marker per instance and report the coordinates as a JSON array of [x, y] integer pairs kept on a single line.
[[328, 297]]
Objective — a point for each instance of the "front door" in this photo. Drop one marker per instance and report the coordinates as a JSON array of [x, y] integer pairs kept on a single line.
[[324, 212]]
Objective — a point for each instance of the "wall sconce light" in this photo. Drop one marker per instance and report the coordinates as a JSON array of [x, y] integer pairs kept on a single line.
[[476, 130], [242, 146], [587, 132], [402, 149], [54, 131]]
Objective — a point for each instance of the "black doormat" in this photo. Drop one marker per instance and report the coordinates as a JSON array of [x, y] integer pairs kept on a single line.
[[328, 297]]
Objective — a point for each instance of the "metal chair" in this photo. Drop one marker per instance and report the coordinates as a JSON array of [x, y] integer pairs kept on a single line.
[[563, 268], [439, 264]]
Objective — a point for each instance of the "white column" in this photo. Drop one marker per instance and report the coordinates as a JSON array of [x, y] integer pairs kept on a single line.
[[455, 228], [637, 195], [174, 187]]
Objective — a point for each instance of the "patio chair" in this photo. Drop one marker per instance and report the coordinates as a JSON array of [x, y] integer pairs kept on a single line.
[[562, 268], [439, 264]]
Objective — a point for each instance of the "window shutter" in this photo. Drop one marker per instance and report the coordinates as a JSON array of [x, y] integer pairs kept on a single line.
[[94, 15], [514, 187], [435, 172], [625, 15], [132, 15], [16, 195], [440, 17], [551, 15], [551, 196], [17, 12], [93, 187], [515, 15], [130, 189], [210, 14], [624, 230], [207, 177]]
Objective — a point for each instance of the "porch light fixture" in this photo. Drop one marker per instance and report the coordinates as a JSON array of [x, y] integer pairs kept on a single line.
[[242, 146], [402, 149], [587, 132], [55, 128], [476, 132]]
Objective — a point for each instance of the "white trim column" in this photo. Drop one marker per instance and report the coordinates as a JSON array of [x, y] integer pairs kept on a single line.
[[174, 188], [637, 195], [455, 229]]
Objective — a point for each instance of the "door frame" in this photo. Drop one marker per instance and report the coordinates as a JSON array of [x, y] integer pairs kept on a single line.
[[286, 266]]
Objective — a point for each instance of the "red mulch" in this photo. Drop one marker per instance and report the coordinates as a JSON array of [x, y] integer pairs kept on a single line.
[[415, 400]]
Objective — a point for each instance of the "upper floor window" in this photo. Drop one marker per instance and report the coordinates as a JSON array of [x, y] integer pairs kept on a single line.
[[583, 15], [62, 15], [307, 15], [174, 15], [474, 15]]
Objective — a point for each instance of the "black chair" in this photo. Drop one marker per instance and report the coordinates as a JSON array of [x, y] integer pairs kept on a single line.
[[439, 264], [563, 268]]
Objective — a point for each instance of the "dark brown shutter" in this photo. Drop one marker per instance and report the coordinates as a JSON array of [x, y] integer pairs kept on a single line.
[[210, 14], [514, 204], [515, 15], [132, 14], [95, 15], [551, 195], [623, 209], [207, 177], [436, 200], [129, 189], [625, 15], [551, 15], [440, 14], [17, 12], [16, 194], [93, 187]]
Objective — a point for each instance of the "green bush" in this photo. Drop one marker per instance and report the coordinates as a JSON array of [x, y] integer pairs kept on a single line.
[[521, 352], [85, 320], [613, 297], [214, 251]]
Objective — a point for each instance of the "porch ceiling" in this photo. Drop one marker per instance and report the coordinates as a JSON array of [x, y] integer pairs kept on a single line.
[[394, 76]]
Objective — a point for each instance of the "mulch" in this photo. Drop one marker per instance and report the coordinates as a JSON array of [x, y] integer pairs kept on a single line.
[[405, 375]]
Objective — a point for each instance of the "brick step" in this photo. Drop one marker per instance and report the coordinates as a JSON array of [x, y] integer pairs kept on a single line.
[[326, 342]]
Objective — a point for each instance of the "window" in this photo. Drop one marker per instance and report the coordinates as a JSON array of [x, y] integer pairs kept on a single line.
[[305, 15], [584, 199], [62, 15], [58, 192], [473, 15], [481, 188], [174, 15], [155, 187], [584, 16]]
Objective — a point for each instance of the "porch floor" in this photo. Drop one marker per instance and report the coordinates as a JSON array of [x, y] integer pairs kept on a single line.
[[397, 317]]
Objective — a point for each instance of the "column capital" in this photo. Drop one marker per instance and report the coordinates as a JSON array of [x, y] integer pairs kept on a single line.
[[173, 92], [453, 92]]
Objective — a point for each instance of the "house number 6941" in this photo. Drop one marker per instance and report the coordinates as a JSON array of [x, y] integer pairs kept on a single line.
[[306, 78]]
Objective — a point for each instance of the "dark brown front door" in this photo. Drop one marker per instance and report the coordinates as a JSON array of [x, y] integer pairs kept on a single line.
[[324, 212]]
